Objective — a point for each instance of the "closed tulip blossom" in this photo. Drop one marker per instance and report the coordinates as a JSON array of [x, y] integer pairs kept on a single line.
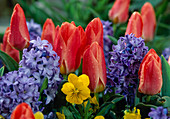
[[67, 45], [149, 21], [76, 88], [94, 66], [7, 48], [135, 25], [18, 33], [22, 111], [119, 11], [150, 74]]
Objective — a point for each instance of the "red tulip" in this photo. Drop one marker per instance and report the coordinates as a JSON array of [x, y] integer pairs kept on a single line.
[[135, 25], [119, 11], [67, 45], [22, 111], [19, 36], [6, 47], [149, 21], [94, 32], [94, 66], [48, 32], [150, 74]]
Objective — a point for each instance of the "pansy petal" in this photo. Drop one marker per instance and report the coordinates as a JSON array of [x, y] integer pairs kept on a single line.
[[67, 88], [85, 79]]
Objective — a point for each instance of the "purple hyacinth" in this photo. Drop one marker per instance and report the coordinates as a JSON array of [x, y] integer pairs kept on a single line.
[[107, 30], [40, 61], [15, 88], [166, 53], [125, 61], [34, 29], [158, 113]]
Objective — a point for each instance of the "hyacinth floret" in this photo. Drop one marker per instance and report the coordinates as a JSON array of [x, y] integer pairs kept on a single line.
[[15, 88], [107, 30], [159, 113], [40, 61], [166, 53], [34, 29], [125, 61]]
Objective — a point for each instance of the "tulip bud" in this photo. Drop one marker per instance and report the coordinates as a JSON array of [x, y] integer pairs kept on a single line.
[[135, 25], [94, 66], [19, 36], [67, 45], [48, 32], [150, 74], [119, 11], [22, 111], [94, 32], [149, 21], [6, 47]]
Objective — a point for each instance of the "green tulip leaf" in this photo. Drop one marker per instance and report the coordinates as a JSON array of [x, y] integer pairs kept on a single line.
[[113, 39], [44, 86], [9, 62], [166, 77], [2, 71]]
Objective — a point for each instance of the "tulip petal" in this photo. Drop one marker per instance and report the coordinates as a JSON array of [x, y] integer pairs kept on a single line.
[[6, 47], [94, 32], [22, 111], [48, 32], [119, 11], [94, 66], [19, 36], [149, 21], [135, 25]]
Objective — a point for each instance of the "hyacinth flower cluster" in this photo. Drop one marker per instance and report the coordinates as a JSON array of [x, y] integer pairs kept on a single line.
[[159, 113], [125, 61], [16, 87], [40, 61], [166, 53], [107, 30], [34, 29]]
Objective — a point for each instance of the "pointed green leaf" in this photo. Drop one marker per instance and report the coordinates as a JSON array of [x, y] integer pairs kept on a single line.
[[67, 113], [44, 85], [10, 63], [2, 71], [113, 39], [104, 109], [166, 77]]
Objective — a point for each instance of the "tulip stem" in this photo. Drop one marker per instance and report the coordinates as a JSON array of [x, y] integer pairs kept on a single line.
[[20, 55], [148, 98]]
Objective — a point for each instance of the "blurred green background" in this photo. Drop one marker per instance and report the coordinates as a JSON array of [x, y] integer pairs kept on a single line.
[[83, 11]]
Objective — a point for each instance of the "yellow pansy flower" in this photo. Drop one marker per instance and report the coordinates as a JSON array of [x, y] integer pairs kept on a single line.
[[39, 115], [60, 116], [135, 114], [99, 117], [93, 101], [76, 88], [1, 117]]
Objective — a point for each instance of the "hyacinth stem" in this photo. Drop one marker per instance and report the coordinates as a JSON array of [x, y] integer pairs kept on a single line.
[[20, 55]]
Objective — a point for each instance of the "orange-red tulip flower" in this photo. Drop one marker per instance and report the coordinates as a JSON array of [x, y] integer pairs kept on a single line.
[[149, 21], [94, 32], [67, 45], [22, 111], [19, 36], [119, 11], [48, 32], [135, 25], [94, 66], [150, 74], [6, 47]]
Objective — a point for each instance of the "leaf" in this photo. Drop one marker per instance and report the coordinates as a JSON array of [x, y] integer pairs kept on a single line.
[[10, 63], [166, 77], [67, 113], [113, 39], [44, 85], [117, 98], [2, 71], [104, 109]]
